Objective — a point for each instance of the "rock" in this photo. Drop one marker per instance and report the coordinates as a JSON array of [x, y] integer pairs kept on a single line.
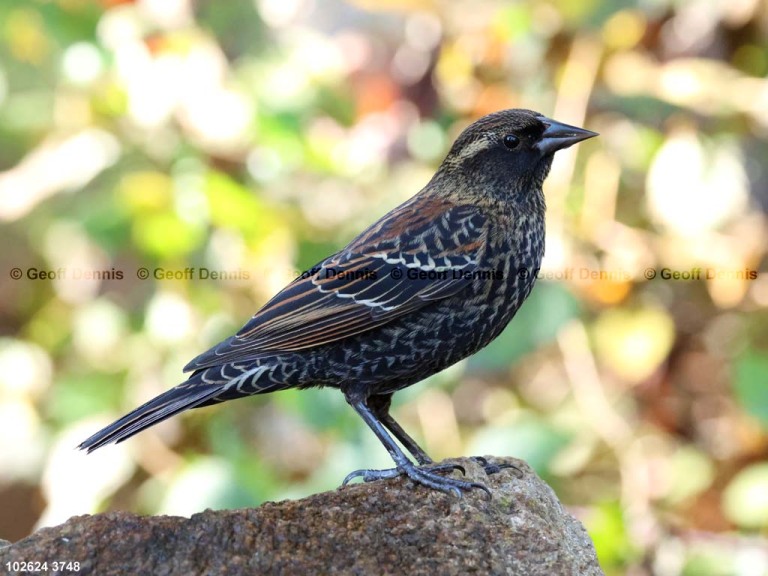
[[385, 527]]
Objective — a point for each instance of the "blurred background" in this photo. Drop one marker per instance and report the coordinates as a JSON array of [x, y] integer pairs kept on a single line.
[[167, 165]]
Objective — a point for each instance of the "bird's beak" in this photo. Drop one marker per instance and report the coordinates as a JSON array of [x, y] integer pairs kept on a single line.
[[558, 136]]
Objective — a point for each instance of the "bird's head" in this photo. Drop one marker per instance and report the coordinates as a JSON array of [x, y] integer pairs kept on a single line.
[[508, 152]]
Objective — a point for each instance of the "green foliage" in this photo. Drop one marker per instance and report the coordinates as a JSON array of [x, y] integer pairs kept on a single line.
[[607, 527], [751, 385], [78, 395]]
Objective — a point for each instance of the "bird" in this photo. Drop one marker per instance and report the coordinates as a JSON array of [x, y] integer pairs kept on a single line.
[[430, 283]]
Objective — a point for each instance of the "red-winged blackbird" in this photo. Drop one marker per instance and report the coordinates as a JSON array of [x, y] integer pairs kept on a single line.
[[430, 283]]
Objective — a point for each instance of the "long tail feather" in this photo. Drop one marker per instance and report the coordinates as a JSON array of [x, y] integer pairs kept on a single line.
[[169, 403]]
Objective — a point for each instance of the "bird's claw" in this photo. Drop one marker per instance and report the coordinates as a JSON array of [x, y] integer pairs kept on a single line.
[[371, 475], [493, 468], [426, 475]]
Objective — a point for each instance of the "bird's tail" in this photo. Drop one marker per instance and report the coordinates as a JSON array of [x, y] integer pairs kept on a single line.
[[175, 400]]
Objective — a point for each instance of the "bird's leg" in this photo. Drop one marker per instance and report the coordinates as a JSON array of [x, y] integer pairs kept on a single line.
[[422, 475], [380, 405]]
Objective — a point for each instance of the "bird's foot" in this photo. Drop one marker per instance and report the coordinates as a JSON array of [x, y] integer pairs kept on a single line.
[[427, 475], [493, 468]]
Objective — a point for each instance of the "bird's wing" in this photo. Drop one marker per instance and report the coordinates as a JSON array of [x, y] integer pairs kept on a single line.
[[367, 284]]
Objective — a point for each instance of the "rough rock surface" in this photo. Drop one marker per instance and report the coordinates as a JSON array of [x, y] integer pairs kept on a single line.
[[386, 527]]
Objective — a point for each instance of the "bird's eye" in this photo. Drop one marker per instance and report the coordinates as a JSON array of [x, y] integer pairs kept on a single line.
[[511, 141]]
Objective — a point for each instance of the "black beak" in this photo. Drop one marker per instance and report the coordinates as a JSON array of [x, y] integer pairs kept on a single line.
[[558, 136]]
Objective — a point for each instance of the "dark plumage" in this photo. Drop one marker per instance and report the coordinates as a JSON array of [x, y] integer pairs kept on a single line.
[[430, 283]]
